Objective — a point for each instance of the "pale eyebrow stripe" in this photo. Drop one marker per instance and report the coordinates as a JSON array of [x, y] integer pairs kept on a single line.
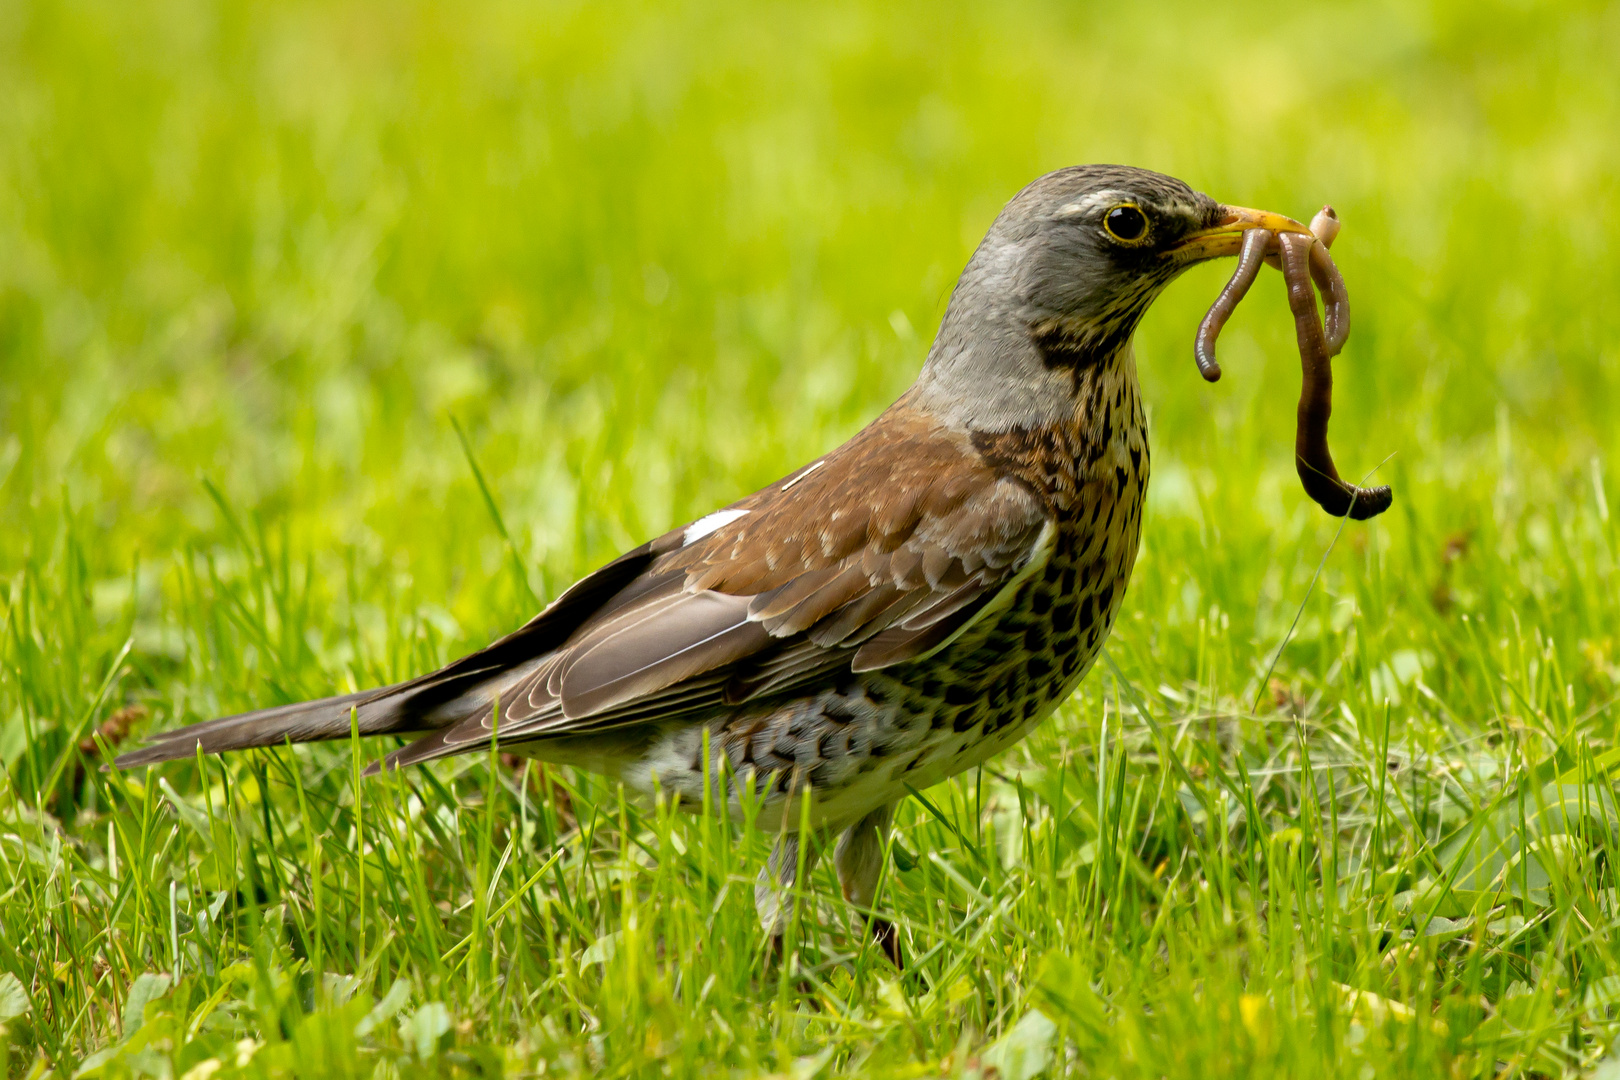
[[1095, 199]]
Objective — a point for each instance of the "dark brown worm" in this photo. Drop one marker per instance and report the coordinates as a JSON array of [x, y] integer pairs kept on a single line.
[[1335, 298], [1325, 227], [1250, 259], [1311, 457]]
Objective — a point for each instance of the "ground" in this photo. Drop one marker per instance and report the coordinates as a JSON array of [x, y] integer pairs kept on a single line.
[[336, 337]]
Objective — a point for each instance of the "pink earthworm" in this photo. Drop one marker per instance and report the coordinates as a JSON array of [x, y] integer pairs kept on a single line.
[[1255, 244], [1325, 225], [1312, 460], [1335, 298]]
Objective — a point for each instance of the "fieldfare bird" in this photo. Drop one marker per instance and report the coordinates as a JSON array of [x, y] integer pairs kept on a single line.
[[893, 613]]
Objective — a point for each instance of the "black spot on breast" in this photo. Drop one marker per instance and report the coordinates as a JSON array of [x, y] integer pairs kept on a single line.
[[840, 710], [1063, 617], [1038, 667], [1040, 602], [1036, 638], [959, 694], [977, 663], [1017, 684]]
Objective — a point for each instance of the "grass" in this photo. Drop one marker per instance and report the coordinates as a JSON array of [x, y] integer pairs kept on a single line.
[[273, 277]]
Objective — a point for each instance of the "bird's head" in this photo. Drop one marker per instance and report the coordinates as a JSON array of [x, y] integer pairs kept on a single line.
[[1061, 280]]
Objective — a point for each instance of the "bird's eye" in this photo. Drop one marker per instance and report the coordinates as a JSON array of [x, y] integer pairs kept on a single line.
[[1126, 223]]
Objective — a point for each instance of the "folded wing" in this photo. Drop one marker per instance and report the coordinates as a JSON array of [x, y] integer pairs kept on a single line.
[[874, 556], [877, 555]]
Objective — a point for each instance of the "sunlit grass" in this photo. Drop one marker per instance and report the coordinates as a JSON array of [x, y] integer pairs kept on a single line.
[[259, 262]]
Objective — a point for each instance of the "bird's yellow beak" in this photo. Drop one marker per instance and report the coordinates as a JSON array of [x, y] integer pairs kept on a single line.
[[1226, 236]]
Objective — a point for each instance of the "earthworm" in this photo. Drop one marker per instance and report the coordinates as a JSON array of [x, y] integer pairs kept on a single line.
[[1325, 225], [1312, 459], [1255, 243], [1335, 299]]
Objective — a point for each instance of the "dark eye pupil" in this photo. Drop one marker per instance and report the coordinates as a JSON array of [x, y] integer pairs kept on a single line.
[[1126, 222]]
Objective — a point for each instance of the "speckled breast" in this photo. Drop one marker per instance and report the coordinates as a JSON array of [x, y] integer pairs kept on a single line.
[[859, 744], [988, 688]]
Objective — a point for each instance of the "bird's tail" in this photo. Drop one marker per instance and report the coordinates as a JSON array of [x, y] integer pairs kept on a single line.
[[378, 712]]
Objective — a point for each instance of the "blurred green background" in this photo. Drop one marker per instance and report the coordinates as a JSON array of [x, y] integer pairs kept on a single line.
[[654, 255], [256, 259]]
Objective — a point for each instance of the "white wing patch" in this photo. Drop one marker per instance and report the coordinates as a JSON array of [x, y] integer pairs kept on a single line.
[[707, 524], [804, 473]]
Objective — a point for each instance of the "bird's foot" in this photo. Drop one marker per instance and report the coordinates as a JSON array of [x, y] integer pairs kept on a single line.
[[775, 957], [886, 936]]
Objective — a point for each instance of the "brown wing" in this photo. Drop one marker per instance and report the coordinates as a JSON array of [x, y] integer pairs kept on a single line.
[[877, 554]]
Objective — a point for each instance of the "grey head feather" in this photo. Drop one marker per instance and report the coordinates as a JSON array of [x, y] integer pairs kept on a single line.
[[1049, 289]]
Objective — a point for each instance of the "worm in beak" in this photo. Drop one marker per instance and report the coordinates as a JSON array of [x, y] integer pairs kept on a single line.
[[1311, 457], [1303, 257], [1256, 242]]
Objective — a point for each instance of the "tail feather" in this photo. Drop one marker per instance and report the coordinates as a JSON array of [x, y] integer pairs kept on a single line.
[[377, 711], [424, 704]]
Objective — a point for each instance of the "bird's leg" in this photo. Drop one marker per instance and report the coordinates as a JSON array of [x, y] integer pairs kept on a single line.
[[859, 860], [773, 892]]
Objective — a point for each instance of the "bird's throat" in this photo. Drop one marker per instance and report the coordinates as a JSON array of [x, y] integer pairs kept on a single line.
[[1088, 456], [1077, 346]]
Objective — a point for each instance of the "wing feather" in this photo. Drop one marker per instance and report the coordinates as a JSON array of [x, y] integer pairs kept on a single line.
[[887, 552], [695, 633]]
